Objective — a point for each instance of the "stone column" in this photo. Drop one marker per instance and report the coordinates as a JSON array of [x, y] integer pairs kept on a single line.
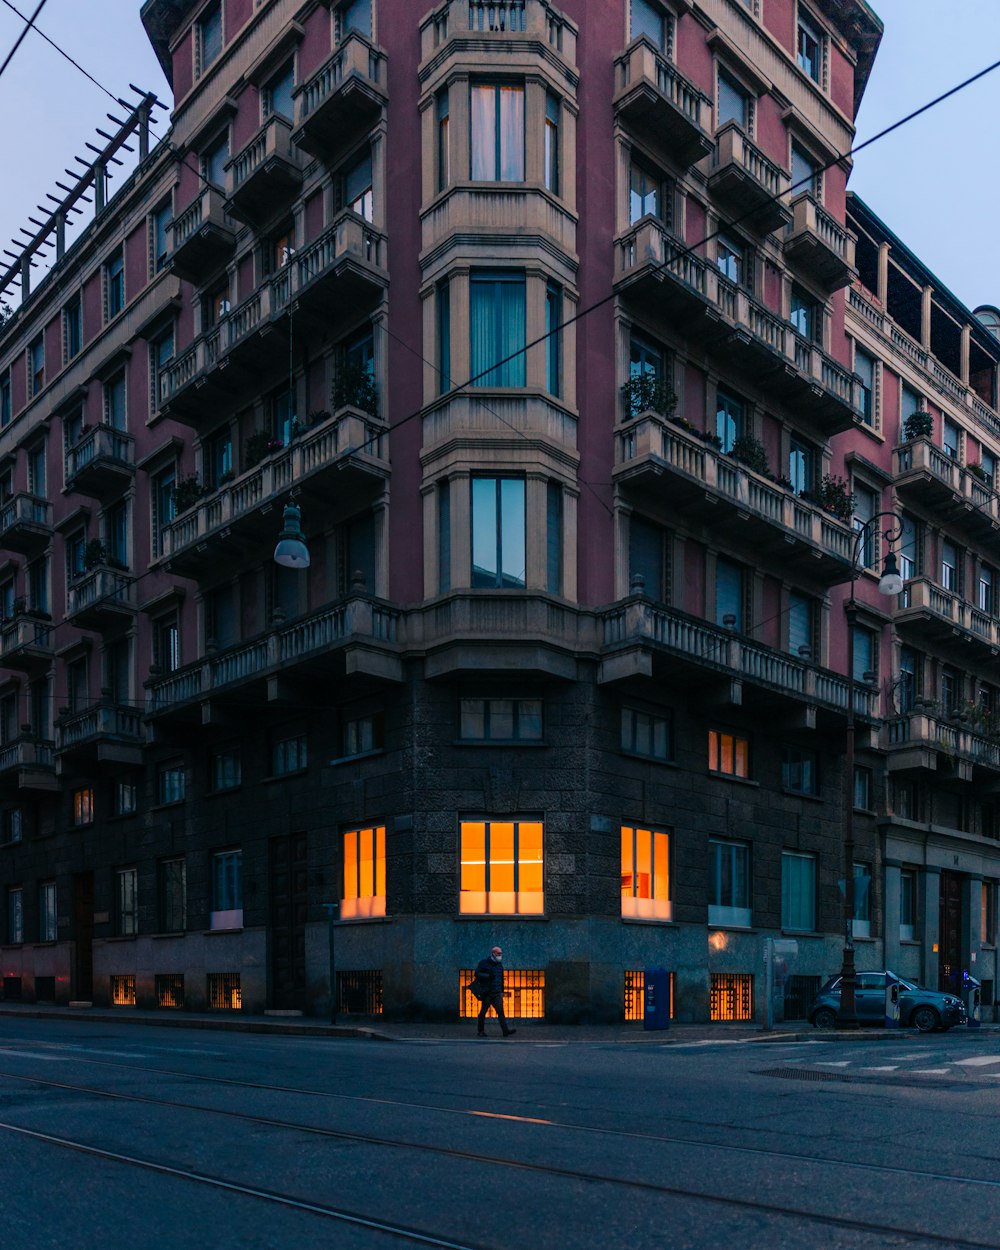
[[890, 914], [929, 902]]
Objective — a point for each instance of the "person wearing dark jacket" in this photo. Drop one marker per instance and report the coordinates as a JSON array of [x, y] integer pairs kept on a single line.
[[489, 981]]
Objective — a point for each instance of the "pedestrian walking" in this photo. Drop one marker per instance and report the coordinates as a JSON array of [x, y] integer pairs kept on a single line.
[[489, 982]]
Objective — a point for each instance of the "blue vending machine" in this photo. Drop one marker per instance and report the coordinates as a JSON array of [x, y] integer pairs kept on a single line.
[[656, 996]]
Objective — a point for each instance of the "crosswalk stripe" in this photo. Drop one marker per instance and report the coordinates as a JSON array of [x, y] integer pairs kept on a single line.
[[890, 1068], [978, 1061], [929, 1071]]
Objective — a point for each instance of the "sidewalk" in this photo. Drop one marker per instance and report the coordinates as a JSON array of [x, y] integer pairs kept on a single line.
[[453, 1031]]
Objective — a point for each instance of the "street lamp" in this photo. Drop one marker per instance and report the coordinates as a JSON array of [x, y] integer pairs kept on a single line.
[[890, 583], [291, 551], [331, 910]]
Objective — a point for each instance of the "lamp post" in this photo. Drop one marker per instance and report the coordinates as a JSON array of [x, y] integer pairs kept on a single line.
[[890, 583], [331, 910]]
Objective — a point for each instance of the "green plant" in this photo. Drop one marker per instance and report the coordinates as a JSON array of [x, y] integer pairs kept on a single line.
[[354, 387], [836, 496], [918, 424], [750, 451], [95, 554], [256, 447], [187, 491], [648, 393], [977, 472]]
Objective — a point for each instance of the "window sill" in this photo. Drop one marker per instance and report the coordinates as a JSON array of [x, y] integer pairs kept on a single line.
[[45, 942], [159, 807], [497, 915], [499, 742], [800, 794], [660, 924], [739, 781], [353, 920], [802, 933], [122, 937], [160, 937], [733, 928], [213, 932], [865, 811], [361, 755], [219, 794], [298, 772], [649, 759]]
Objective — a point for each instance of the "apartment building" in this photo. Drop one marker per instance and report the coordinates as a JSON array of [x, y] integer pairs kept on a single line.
[[581, 372]]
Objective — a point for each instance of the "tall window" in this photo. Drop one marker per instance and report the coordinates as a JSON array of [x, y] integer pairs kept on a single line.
[[444, 536], [161, 353], [730, 257], [159, 244], [114, 401], [227, 890], [497, 132], [645, 873], [798, 891], [733, 103], [949, 566], [907, 905], [649, 557], [909, 678], [498, 532], [801, 615], [730, 419], [36, 366], [908, 548], [364, 873], [114, 285], [354, 15], [988, 914], [171, 782], [801, 466], [864, 367], [642, 733], [951, 684], [218, 457], [728, 882], [83, 807], [553, 343], [444, 336], [866, 504], [553, 537], [289, 754], [498, 328], [728, 753], [227, 771], [799, 769], [647, 18], [443, 140], [167, 643], [163, 506], [5, 399], [15, 917], [172, 883], [805, 172], [648, 195], [862, 900], [126, 798], [38, 585], [810, 48], [987, 462], [127, 910], [729, 594], [501, 867], [72, 328], [277, 96], [550, 160], [951, 438], [865, 648], [864, 782], [806, 316], [358, 187], [213, 161], [646, 361], [48, 920], [36, 471], [209, 37], [986, 585]]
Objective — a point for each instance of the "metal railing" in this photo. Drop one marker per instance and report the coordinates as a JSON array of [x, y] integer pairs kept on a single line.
[[101, 443], [25, 509]]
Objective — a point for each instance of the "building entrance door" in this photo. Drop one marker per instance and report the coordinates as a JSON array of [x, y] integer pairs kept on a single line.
[[288, 883], [83, 936], [950, 933]]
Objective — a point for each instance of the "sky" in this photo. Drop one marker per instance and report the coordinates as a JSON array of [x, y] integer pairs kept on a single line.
[[933, 182]]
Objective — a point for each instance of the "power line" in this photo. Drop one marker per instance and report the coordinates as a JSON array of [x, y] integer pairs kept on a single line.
[[29, 23]]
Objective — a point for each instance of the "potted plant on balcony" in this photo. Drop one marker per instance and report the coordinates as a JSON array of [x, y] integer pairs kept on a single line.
[[978, 472], [648, 393], [354, 387], [919, 424], [836, 497], [95, 554], [186, 493], [750, 451], [256, 447]]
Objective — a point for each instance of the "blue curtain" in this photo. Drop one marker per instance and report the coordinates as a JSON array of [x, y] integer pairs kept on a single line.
[[498, 329]]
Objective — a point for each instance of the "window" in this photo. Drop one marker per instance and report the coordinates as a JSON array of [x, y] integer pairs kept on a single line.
[[649, 558], [214, 159], [647, 18], [799, 770], [362, 734], [728, 754], [217, 462], [986, 585], [798, 891], [949, 565], [358, 187], [810, 49], [649, 194], [172, 890], [364, 873], [951, 438], [951, 683], [5, 399], [277, 93], [83, 807], [167, 643], [118, 534], [801, 466], [865, 646], [497, 132], [988, 930], [37, 477], [498, 532], [643, 733], [805, 172], [864, 785], [866, 504], [733, 103], [76, 546], [730, 257], [127, 909], [227, 890], [987, 462], [497, 316], [501, 720], [72, 329], [47, 918], [226, 769], [553, 341], [908, 548], [171, 782], [728, 594], [159, 239], [444, 537], [163, 506], [907, 905], [36, 367], [864, 367], [114, 401], [806, 316], [909, 678], [15, 917], [161, 353], [862, 900], [550, 155], [354, 15], [501, 867], [38, 585], [208, 38], [647, 374], [729, 420], [728, 882], [909, 402], [289, 755], [444, 336], [443, 141], [553, 537], [114, 285], [125, 797], [801, 616], [645, 874], [12, 825]]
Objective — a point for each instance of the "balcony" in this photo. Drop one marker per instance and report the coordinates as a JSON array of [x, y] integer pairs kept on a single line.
[[102, 464], [642, 640], [940, 615], [344, 458], [202, 237], [354, 638], [27, 764], [922, 739], [190, 386], [343, 100], [103, 733], [747, 182], [819, 245], [659, 105], [265, 174], [346, 265], [26, 642], [101, 599], [927, 475], [654, 459], [25, 524]]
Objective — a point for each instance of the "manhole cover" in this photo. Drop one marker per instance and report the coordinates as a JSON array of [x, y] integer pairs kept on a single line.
[[803, 1074]]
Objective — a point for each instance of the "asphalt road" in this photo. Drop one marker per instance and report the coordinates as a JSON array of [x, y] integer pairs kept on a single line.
[[116, 1136]]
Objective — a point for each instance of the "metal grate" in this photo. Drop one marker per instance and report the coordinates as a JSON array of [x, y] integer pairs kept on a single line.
[[12, 989], [123, 991], [170, 989], [799, 993], [360, 993], [731, 996], [523, 994], [224, 992], [635, 994], [803, 1074]]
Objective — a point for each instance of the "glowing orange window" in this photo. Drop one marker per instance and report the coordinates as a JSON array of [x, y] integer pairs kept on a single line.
[[502, 867], [364, 873], [645, 873]]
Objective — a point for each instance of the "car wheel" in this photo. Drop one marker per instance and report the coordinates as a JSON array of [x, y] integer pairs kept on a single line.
[[825, 1018], [925, 1019]]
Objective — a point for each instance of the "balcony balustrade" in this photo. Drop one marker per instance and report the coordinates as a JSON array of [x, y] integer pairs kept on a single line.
[[25, 524], [265, 174], [656, 459], [27, 763], [480, 27], [102, 463], [939, 614], [924, 739], [103, 598], [342, 100], [744, 179], [660, 105], [928, 475], [26, 642], [202, 237], [819, 245], [651, 265], [105, 732], [346, 455]]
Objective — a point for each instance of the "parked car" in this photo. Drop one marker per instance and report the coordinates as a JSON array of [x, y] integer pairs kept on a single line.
[[921, 1009]]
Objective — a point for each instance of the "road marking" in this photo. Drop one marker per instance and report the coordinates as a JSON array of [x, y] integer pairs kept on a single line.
[[890, 1068], [978, 1061], [929, 1071], [833, 1063], [32, 1054]]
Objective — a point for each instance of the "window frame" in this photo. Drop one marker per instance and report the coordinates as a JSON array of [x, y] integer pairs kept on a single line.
[[739, 746], [641, 858], [793, 768], [214, 9], [510, 533], [533, 901], [490, 709], [226, 888], [809, 905], [126, 902], [167, 902], [48, 913], [733, 914], [477, 154], [171, 782], [631, 722], [363, 877]]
